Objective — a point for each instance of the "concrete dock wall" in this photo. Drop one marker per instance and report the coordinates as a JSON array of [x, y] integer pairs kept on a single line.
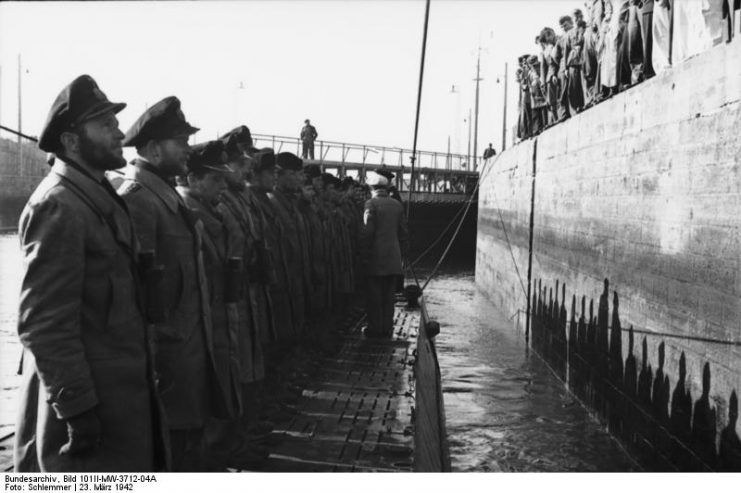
[[644, 190]]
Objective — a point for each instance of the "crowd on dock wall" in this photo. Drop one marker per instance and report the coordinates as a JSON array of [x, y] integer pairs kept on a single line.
[[609, 47]]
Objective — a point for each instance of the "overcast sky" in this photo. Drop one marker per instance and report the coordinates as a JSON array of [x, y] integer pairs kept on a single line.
[[350, 66]]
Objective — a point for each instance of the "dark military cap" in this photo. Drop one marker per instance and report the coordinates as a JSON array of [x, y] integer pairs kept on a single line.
[[241, 134], [233, 152], [162, 121], [288, 160], [347, 182], [386, 174], [208, 157], [330, 179], [81, 101], [264, 160], [313, 171]]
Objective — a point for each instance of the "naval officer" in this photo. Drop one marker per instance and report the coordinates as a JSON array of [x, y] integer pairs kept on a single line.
[[172, 236], [384, 244], [88, 401]]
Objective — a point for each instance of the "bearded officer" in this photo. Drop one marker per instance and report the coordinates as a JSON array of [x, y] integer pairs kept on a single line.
[[88, 401], [179, 308]]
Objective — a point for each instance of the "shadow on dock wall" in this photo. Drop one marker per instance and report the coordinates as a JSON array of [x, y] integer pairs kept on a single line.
[[660, 427]]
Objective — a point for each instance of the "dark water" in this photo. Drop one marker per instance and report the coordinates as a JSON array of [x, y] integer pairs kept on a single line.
[[505, 410]]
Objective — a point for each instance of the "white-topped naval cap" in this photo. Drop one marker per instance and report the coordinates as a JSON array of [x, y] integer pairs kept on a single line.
[[375, 180]]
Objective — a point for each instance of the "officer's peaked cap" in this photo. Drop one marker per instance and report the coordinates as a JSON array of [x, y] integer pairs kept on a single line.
[[163, 120], [377, 180], [385, 173], [208, 157], [240, 134], [81, 101], [264, 160], [313, 171], [330, 179], [288, 161]]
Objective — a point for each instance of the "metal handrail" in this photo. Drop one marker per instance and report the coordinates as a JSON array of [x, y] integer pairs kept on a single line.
[[371, 154]]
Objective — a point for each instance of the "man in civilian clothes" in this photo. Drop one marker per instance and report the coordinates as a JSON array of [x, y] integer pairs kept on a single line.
[[384, 243], [169, 232], [88, 400]]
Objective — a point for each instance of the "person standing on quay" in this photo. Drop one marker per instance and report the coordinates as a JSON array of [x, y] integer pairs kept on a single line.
[[88, 399], [384, 243], [172, 236], [308, 136]]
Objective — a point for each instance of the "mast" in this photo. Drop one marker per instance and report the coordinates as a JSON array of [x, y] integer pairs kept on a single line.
[[20, 122], [478, 79], [469, 139], [504, 112], [419, 105], [20, 127], [1, 94]]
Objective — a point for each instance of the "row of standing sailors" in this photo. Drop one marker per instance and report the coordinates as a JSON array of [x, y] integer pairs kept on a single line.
[[151, 315]]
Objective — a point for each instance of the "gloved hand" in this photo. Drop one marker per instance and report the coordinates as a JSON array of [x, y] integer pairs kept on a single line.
[[83, 431]]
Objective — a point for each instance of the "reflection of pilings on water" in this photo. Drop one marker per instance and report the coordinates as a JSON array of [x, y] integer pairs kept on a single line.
[[661, 428]]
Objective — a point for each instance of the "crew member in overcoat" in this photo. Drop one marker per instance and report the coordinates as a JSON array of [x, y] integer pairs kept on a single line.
[[179, 303], [88, 400], [385, 242], [234, 334], [288, 183], [258, 188]]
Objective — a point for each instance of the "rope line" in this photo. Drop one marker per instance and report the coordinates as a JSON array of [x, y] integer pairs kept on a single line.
[[460, 223], [661, 334], [15, 132], [439, 238]]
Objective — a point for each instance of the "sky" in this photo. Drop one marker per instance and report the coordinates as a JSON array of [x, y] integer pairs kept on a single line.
[[352, 67]]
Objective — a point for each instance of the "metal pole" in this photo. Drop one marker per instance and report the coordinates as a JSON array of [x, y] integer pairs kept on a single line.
[[671, 31], [504, 112], [20, 98], [478, 79], [468, 167], [20, 121], [1, 93], [419, 104]]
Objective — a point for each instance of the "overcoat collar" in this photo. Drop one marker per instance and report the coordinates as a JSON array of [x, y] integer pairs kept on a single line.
[[154, 183], [102, 201]]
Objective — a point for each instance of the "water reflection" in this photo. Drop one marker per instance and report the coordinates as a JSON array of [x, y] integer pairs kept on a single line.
[[505, 410], [10, 346]]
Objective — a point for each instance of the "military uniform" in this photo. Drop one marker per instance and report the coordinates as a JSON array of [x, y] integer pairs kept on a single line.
[[81, 323], [385, 241], [222, 259], [183, 332], [294, 242]]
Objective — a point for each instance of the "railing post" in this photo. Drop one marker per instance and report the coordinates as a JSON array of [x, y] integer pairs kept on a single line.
[[343, 153], [321, 150]]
